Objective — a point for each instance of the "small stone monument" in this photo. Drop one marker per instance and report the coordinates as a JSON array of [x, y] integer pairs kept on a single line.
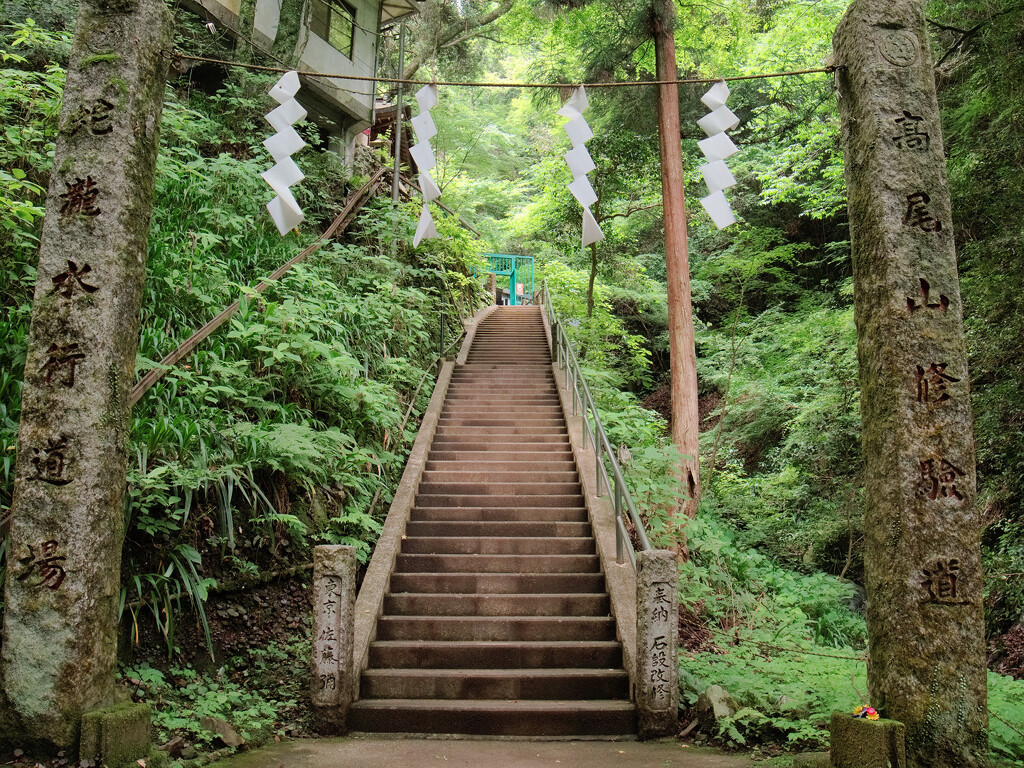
[[922, 553], [334, 604], [657, 644], [64, 565]]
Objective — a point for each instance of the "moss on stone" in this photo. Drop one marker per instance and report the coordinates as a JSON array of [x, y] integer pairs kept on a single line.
[[860, 743], [119, 84], [118, 735], [98, 58]]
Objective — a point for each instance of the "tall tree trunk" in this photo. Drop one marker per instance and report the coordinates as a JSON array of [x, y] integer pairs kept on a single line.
[[683, 357]]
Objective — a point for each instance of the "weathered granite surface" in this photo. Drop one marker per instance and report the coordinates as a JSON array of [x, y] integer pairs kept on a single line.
[[922, 553], [657, 643], [63, 583], [334, 602]]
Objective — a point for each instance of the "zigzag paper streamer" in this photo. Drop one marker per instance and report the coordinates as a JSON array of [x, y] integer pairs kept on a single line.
[[716, 148], [581, 163], [423, 155], [284, 210]]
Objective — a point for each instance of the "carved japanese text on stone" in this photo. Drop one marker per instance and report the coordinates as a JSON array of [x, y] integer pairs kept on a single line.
[[60, 365], [50, 462], [660, 677], [67, 284], [917, 214], [924, 299], [96, 117], [931, 383], [661, 603], [940, 582], [911, 136], [81, 197], [43, 566], [939, 479]]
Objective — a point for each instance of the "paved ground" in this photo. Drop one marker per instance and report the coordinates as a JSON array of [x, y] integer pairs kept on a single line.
[[377, 752]]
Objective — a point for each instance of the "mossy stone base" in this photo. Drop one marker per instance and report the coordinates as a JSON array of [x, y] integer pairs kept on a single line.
[[812, 760], [117, 736], [861, 743]]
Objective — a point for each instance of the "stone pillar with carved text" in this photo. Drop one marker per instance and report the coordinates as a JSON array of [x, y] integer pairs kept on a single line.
[[334, 605], [657, 644], [64, 564], [923, 568]]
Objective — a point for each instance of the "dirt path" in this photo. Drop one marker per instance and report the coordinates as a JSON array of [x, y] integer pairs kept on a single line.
[[377, 752]]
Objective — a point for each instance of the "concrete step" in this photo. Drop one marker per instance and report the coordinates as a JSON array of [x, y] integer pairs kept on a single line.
[[442, 604], [557, 684], [503, 454], [496, 628], [497, 583], [500, 514], [509, 474], [415, 528], [521, 434], [497, 488], [552, 411], [484, 500], [497, 421], [495, 654], [486, 468], [452, 563], [493, 717], [512, 443], [497, 545]]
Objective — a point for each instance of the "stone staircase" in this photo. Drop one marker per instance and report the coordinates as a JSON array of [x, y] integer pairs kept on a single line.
[[497, 618]]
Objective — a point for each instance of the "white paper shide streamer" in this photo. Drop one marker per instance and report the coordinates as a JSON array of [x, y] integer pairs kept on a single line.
[[423, 155], [282, 145], [580, 163], [716, 148]]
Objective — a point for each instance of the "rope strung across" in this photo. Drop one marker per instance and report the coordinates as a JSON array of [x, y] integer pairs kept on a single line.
[[178, 56]]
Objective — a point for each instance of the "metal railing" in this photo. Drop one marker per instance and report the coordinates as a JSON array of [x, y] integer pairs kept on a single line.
[[622, 501]]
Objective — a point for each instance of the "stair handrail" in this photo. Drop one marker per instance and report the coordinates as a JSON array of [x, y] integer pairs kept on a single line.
[[622, 500]]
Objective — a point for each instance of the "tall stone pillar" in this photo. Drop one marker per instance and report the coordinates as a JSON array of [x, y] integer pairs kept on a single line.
[[64, 565], [922, 554]]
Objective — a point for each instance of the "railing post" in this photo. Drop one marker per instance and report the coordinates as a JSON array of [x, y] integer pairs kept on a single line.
[[620, 548], [657, 628], [334, 601]]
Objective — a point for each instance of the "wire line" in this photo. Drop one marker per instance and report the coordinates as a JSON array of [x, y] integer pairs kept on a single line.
[[179, 56]]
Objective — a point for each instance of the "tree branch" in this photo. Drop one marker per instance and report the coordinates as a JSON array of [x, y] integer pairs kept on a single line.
[[628, 212]]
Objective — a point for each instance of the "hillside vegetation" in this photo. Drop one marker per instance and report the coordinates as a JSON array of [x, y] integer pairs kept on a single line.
[[291, 425]]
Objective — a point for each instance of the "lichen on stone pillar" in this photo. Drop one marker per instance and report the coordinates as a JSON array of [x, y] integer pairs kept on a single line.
[[923, 570], [64, 566]]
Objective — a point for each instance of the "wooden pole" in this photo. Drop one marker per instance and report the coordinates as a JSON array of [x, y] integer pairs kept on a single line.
[[683, 357]]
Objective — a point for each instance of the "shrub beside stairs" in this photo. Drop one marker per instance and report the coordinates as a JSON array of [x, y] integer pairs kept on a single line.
[[496, 619]]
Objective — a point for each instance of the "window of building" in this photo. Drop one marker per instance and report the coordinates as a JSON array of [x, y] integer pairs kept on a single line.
[[334, 21]]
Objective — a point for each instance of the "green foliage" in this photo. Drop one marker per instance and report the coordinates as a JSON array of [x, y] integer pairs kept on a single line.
[[258, 694], [784, 696], [291, 425], [601, 340], [1006, 717]]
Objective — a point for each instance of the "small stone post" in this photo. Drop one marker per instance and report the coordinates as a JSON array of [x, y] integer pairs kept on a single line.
[[64, 565], [657, 644], [334, 604], [922, 553]]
